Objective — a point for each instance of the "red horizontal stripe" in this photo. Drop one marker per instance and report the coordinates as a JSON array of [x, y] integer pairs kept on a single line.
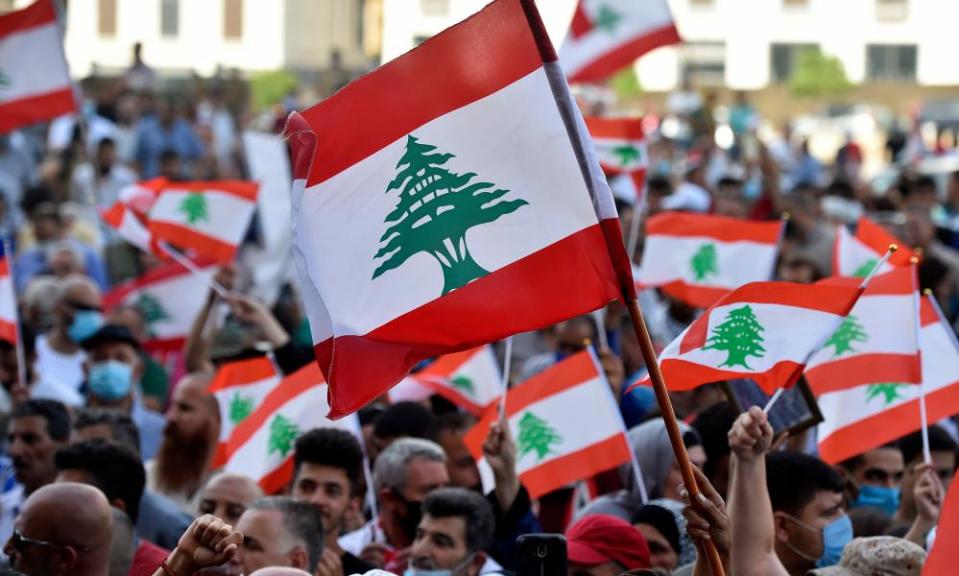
[[625, 54], [889, 425], [276, 481], [167, 345], [239, 188], [4, 266], [615, 128], [877, 238], [467, 62], [445, 389], [682, 375], [896, 282], [558, 378], [528, 294], [39, 13], [39, 108], [578, 465], [845, 373], [8, 331], [927, 312], [720, 228], [187, 238], [155, 275], [242, 372], [447, 364], [622, 265], [832, 299], [697, 296]]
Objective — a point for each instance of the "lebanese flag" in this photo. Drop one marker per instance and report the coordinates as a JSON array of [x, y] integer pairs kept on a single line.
[[765, 331], [857, 255], [608, 35], [470, 379], [699, 259], [8, 303], [565, 423], [169, 297], [239, 388], [621, 149], [944, 555], [428, 221], [129, 226], [207, 218], [34, 77], [864, 417], [878, 342], [261, 446]]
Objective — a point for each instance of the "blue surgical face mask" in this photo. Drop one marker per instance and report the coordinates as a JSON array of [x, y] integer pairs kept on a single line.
[[882, 497], [110, 380], [85, 324], [835, 536]]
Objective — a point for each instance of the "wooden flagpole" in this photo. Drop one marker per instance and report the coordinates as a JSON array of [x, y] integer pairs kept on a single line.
[[672, 429]]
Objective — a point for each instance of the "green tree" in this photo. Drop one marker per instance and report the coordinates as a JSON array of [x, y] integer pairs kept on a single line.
[[464, 384], [536, 435], [4, 79], [607, 19], [848, 332], [739, 335], [865, 268], [817, 75], [240, 408], [888, 392], [269, 88], [283, 433], [194, 207], [626, 84], [151, 308], [704, 262], [628, 154], [435, 209]]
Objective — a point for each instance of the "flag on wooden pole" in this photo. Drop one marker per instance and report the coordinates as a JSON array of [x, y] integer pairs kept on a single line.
[[239, 388], [621, 149], [856, 255], [428, 221], [470, 379]]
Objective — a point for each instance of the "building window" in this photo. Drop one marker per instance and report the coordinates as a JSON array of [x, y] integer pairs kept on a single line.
[[233, 19], [435, 7], [783, 60], [892, 10], [169, 18], [891, 61], [107, 17], [703, 63]]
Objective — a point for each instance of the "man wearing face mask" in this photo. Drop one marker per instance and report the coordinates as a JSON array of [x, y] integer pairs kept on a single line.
[[113, 366], [452, 538], [877, 474], [77, 316]]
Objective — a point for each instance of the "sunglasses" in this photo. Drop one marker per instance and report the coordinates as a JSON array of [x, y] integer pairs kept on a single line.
[[20, 542]]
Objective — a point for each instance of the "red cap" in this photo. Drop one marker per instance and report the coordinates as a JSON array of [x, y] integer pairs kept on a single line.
[[598, 538]]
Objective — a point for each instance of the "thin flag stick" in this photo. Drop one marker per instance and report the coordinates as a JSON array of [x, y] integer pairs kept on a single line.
[[600, 317], [923, 415], [776, 396], [633, 238], [186, 263], [507, 366]]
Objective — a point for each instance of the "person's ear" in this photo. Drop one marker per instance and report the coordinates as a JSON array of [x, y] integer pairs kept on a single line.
[[355, 504], [476, 564], [299, 558], [66, 559], [780, 523]]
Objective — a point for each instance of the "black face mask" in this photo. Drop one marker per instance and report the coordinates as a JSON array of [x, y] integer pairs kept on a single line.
[[411, 520]]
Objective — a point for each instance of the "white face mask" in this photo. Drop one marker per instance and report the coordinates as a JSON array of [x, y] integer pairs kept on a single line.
[[455, 571]]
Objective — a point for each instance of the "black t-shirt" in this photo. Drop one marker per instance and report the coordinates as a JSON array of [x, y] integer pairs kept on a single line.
[[353, 565]]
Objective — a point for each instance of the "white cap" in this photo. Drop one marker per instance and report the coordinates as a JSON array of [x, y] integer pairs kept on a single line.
[[688, 197]]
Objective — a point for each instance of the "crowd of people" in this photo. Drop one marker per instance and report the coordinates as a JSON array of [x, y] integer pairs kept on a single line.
[[108, 455]]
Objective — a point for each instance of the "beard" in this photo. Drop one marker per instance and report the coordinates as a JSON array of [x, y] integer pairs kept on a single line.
[[182, 458]]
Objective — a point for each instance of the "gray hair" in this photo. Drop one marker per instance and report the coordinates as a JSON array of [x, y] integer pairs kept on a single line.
[[121, 544], [390, 470], [301, 520]]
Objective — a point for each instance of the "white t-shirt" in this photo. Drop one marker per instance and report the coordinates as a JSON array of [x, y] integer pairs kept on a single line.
[[53, 366]]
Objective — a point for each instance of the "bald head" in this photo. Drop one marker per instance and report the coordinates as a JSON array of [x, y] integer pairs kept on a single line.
[[278, 571], [227, 496]]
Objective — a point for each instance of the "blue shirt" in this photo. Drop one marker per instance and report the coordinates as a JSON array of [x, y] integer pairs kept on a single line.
[[33, 262], [153, 139], [151, 429]]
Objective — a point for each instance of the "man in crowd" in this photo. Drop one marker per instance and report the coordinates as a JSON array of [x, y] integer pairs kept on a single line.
[[182, 464], [454, 534], [402, 420], [76, 317], [942, 449], [328, 473], [227, 496], [113, 369], [601, 545], [278, 531], [154, 383], [877, 474], [63, 530], [118, 473]]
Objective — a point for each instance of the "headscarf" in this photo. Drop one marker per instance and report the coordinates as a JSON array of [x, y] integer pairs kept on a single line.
[[654, 453], [687, 550]]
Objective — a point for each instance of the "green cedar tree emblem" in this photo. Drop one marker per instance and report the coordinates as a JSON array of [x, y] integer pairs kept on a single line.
[[151, 308], [739, 335], [283, 433], [464, 384], [704, 262], [4, 79], [195, 208], [848, 332], [888, 392], [607, 19], [865, 268], [240, 408], [434, 210], [536, 435], [627, 153]]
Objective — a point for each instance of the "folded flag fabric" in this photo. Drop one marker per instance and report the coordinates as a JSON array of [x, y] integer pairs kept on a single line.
[[878, 342], [207, 218], [865, 417], [129, 226], [8, 303], [169, 297], [944, 554], [34, 78], [699, 259], [239, 388], [765, 331], [261, 446], [608, 35], [565, 424], [621, 149], [471, 379], [432, 221], [856, 255]]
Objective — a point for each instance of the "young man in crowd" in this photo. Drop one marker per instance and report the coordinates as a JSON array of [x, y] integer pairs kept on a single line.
[[77, 316], [278, 531], [942, 449], [227, 496], [454, 534], [876, 476]]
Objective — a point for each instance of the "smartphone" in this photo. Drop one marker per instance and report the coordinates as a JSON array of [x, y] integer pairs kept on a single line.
[[541, 555]]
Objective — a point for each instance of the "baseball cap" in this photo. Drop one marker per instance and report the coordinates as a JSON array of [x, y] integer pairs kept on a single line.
[[598, 538], [890, 556]]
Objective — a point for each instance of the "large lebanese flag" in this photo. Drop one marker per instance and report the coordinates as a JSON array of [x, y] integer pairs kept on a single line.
[[565, 424], [8, 303], [608, 35], [470, 379], [765, 331], [170, 297], [699, 259], [428, 221], [34, 77], [261, 447], [207, 218], [862, 418], [621, 149], [239, 388], [878, 342], [857, 255], [944, 554]]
